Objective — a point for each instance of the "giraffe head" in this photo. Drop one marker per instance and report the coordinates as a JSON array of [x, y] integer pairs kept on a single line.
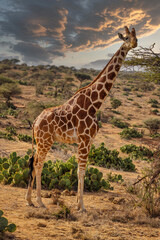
[[130, 40]]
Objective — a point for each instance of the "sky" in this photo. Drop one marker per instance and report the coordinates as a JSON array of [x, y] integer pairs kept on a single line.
[[79, 33]]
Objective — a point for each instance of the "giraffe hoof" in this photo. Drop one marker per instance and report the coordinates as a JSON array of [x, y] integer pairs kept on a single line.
[[30, 204], [82, 210], [42, 206]]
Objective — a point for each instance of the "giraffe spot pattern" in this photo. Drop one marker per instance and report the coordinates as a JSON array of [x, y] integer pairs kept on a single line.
[[75, 121], [87, 103], [92, 111], [117, 67], [122, 54], [80, 100], [82, 114], [99, 87], [102, 94], [111, 75], [82, 127], [94, 96], [108, 86], [110, 68], [97, 105], [102, 79], [89, 121]]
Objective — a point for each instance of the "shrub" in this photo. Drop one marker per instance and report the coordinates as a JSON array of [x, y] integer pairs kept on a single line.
[[153, 101], [82, 76], [114, 177], [115, 103], [153, 125], [14, 170], [24, 138], [4, 226], [137, 152], [154, 105], [118, 123], [129, 133], [103, 157], [8, 90], [6, 135]]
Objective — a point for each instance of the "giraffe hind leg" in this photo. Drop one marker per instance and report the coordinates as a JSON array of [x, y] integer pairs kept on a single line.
[[30, 182]]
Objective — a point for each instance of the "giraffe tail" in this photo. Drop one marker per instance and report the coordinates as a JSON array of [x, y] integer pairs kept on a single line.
[[31, 160]]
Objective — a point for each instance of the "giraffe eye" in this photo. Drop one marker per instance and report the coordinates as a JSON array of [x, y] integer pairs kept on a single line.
[[126, 38]]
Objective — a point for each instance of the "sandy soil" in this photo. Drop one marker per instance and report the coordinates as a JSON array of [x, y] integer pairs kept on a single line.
[[110, 215]]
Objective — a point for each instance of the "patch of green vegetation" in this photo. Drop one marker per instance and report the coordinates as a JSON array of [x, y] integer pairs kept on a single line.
[[129, 133], [153, 125], [6, 135], [115, 178], [24, 138], [115, 103], [4, 226], [136, 152], [118, 123], [14, 170], [103, 157]]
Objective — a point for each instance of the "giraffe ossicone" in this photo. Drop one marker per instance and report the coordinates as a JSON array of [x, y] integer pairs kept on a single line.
[[75, 121]]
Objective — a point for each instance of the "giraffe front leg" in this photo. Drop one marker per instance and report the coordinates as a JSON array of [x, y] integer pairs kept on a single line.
[[38, 170], [82, 160], [81, 174]]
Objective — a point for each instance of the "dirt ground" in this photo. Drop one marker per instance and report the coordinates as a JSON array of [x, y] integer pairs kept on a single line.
[[110, 215]]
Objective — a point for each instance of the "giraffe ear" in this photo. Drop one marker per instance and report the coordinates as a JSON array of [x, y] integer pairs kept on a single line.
[[120, 35]]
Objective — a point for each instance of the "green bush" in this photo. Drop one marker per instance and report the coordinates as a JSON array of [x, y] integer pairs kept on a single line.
[[115, 103], [137, 152], [118, 123], [4, 226], [14, 170], [153, 125], [6, 135], [103, 157], [115, 178], [153, 101], [129, 133], [24, 138]]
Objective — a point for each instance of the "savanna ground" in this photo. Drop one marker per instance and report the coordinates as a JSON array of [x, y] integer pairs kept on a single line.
[[110, 214]]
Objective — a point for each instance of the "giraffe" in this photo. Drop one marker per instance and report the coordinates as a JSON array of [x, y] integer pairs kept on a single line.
[[75, 121]]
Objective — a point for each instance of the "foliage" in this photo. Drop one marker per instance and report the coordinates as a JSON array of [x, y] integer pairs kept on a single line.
[[33, 109], [153, 125], [148, 187], [148, 59], [129, 133], [24, 138], [103, 157], [118, 123], [115, 178], [4, 226], [8, 90], [6, 135], [82, 76], [14, 170], [137, 151], [115, 103]]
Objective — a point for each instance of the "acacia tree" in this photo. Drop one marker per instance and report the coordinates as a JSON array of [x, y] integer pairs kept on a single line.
[[147, 60], [8, 89]]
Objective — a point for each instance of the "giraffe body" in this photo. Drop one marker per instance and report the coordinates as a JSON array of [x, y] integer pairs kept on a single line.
[[74, 122]]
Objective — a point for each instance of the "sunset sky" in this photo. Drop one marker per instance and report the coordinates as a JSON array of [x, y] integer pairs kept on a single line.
[[73, 32]]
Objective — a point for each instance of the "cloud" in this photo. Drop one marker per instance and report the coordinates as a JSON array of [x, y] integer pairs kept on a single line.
[[43, 30]]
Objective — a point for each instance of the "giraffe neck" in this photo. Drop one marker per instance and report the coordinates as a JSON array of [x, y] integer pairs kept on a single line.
[[104, 81]]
